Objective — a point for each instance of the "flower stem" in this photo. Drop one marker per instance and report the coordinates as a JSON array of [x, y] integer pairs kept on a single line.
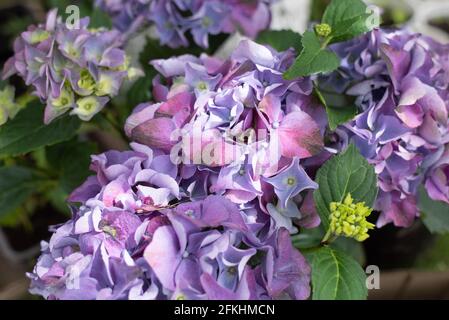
[[114, 124], [328, 238]]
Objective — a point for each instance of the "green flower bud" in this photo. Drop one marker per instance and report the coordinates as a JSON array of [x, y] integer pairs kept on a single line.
[[323, 30], [348, 219]]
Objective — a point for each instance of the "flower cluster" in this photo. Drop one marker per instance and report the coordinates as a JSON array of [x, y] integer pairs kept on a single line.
[[238, 128], [174, 19], [138, 235], [204, 205], [349, 219], [400, 84], [71, 69]]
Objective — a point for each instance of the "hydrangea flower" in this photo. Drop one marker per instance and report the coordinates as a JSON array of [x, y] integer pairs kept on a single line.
[[138, 236], [72, 70], [177, 20], [400, 82], [237, 127]]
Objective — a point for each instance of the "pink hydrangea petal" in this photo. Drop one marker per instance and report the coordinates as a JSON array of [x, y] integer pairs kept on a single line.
[[300, 136]]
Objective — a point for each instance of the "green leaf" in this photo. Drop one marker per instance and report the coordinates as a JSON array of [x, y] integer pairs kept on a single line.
[[314, 58], [348, 172], [308, 238], [140, 91], [336, 276], [434, 214], [58, 199], [27, 132], [347, 18], [100, 19], [16, 185], [337, 115], [281, 40], [351, 247], [311, 238], [71, 162]]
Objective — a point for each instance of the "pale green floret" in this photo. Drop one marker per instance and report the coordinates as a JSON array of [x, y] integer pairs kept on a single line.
[[348, 219], [202, 86], [72, 51], [105, 86], [124, 66], [206, 22], [38, 36], [86, 108], [178, 80], [86, 81], [8, 107], [323, 30], [65, 100], [132, 73], [95, 30]]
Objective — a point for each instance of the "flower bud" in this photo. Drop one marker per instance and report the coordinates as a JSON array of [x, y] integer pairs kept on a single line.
[[348, 219]]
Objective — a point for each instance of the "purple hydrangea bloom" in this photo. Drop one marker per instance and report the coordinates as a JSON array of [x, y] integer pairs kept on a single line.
[[174, 19], [74, 70], [237, 128], [138, 236], [400, 83]]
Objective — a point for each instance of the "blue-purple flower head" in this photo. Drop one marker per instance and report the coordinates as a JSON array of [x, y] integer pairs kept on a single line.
[[138, 236], [400, 82], [178, 20], [237, 127], [76, 70]]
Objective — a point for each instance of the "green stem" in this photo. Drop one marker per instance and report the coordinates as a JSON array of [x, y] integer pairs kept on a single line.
[[326, 42], [328, 238], [109, 117]]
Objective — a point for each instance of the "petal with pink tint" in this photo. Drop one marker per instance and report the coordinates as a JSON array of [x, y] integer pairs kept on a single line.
[[181, 101], [412, 115], [155, 133], [271, 106], [299, 136], [162, 254]]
